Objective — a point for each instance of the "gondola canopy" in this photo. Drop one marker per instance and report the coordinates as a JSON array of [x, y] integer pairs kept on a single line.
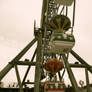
[[60, 23]]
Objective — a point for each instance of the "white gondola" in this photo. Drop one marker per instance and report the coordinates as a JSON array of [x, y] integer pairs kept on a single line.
[[61, 43], [64, 2]]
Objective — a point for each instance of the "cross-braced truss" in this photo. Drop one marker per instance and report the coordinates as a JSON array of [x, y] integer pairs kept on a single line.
[[43, 52]]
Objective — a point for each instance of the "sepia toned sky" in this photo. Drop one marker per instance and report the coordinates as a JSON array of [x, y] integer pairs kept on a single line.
[[16, 31]]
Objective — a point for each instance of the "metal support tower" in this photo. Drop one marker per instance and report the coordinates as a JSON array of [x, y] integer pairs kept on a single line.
[[49, 10]]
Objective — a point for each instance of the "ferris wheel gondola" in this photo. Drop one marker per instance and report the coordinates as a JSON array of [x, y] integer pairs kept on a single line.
[[61, 43]]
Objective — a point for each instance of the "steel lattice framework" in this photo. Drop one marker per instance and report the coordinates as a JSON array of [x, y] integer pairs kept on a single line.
[[42, 37]]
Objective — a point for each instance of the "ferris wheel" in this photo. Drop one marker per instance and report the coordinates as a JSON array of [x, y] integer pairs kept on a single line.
[[55, 41]]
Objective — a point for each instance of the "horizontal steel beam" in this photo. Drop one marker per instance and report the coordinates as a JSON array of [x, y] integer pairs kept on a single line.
[[78, 65], [25, 63], [29, 83]]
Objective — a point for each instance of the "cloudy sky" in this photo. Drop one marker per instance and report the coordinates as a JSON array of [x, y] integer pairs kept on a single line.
[[16, 30]]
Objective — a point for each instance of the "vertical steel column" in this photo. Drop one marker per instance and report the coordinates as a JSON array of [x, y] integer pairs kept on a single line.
[[43, 12], [38, 63], [87, 80], [66, 10], [18, 79], [71, 76], [73, 19]]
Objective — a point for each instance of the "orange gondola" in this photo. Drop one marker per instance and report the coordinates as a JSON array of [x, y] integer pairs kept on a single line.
[[54, 65]]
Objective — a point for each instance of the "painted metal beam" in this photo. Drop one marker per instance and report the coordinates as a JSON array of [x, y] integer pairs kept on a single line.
[[59, 74], [87, 80], [9, 66], [77, 65], [29, 67], [73, 20], [81, 60], [18, 79], [38, 62], [25, 63], [29, 82], [63, 74], [71, 75], [43, 12]]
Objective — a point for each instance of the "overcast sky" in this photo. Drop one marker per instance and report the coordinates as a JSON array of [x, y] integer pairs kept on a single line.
[[16, 29]]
